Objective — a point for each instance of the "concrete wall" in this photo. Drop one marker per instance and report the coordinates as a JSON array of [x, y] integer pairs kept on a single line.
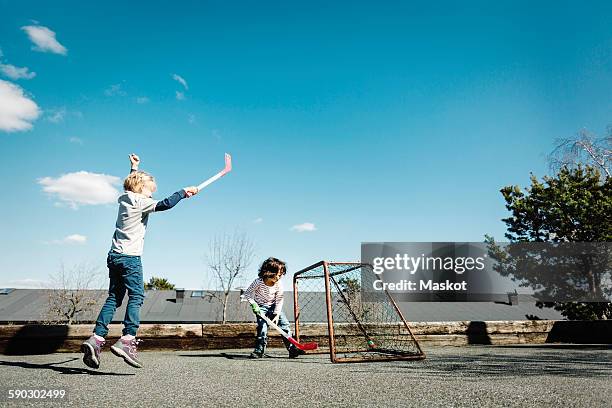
[[41, 339]]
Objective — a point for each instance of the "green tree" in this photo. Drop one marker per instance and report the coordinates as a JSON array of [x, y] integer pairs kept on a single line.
[[573, 206], [159, 284]]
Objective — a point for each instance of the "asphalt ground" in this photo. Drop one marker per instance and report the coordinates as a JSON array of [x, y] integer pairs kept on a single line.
[[522, 376]]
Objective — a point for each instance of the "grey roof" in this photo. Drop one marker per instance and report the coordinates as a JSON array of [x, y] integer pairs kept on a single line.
[[28, 305], [22, 305]]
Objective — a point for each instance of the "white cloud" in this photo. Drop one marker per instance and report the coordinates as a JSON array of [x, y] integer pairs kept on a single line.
[[191, 119], [15, 73], [44, 39], [57, 115], [142, 99], [115, 89], [70, 239], [180, 95], [17, 111], [76, 140], [305, 227], [181, 80], [82, 188], [258, 220], [75, 239]]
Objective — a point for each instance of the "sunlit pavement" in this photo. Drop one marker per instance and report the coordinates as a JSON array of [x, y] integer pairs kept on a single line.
[[450, 376]]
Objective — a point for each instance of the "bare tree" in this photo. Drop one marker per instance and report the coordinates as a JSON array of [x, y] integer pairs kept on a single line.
[[229, 256], [584, 148], [72, 296]]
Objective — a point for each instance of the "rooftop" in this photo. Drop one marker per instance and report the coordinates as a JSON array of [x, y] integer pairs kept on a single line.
[[30, 305]]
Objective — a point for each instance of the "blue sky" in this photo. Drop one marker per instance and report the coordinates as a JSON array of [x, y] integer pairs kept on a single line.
[[393, 122]]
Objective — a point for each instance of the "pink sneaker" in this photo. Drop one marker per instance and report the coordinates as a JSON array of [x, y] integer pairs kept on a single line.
[[91, 348], [126, 349]]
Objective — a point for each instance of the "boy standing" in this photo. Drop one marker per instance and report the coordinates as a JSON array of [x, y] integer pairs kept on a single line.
[[124, 264]]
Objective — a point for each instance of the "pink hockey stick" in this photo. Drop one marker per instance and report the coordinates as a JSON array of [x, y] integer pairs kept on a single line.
[[227, 169], [301, 346]]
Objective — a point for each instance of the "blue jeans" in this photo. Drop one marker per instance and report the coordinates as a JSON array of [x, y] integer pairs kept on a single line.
[[125, 273], [262, 328]]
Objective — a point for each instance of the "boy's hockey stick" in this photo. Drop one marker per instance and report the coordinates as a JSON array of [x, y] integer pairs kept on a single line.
[[301, 346], [227, 169]]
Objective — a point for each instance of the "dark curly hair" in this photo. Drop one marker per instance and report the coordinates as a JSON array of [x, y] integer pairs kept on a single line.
[[272, 267]]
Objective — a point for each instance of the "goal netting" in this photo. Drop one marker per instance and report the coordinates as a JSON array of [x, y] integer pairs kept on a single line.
[[351, 324]]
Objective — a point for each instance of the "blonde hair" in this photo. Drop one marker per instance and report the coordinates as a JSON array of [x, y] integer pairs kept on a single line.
[[136, 181]]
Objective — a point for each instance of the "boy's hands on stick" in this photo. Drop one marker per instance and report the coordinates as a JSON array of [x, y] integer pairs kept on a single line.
[[191, 191], [135, 161], [255, 308]]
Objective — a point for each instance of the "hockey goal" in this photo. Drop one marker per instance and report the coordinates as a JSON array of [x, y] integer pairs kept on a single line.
[[359, 325]]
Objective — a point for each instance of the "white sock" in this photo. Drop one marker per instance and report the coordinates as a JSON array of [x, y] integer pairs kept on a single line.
[[99, 338], [127, 337]]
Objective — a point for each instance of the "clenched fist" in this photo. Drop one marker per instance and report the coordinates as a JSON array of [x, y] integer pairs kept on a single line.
[[190, 191], [135, 160]]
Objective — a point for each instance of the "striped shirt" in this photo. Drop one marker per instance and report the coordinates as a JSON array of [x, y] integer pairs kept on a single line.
[[265, 295]]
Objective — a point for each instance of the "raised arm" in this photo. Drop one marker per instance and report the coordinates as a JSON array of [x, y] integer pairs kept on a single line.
[[169, 202], [134, 161]]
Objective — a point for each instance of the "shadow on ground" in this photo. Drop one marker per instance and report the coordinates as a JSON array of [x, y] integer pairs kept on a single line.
[[229, 356], [58, 368], [280, 357], [535, 362], [549, 346]]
